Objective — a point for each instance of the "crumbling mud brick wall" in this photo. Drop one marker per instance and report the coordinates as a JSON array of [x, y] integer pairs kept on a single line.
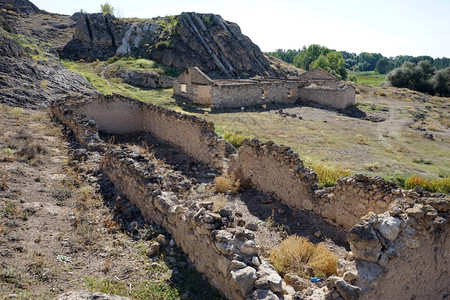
[[217, 249], [84, 129], [254, 93], [402, 253], [119, 114], [277, 170], [333, 95]]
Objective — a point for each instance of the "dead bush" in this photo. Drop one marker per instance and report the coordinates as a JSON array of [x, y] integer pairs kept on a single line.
[[294, 253], [30, 151], [227, 183]]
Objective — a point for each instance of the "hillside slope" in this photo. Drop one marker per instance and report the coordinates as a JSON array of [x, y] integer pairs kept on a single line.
[[31, 74]]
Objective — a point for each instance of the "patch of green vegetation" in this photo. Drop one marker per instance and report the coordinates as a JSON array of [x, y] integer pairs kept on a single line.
[[369, 77], [130, 63], [116, 85], [208, 20], [164, 45], [441, 185], [169, 26], [187, 284], [141, 290], [235, 138], [329, 175]]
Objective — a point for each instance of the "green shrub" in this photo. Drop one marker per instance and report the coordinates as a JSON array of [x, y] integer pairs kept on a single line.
[[441, 185], [328, 175], [235, 138], [164, 45]]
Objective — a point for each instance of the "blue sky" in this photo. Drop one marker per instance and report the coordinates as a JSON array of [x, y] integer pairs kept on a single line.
[[391, 28]]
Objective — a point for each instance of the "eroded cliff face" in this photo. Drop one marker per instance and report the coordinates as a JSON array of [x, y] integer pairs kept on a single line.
[[207, 41]]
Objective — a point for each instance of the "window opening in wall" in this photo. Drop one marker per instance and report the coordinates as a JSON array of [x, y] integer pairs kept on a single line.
[[290, 93], [183, 88], [264, 94]]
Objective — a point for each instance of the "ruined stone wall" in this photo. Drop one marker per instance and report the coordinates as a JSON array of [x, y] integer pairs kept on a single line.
[[196, 137], [351, 198], [330, 95], [237, 95], [118, 114], [84, 129], [403, 253], [399, 239], [217, 249], [113, 116], [277, 170]]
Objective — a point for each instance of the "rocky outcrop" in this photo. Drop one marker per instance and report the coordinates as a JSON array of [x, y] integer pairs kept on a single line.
[[214, 45], [95, 37], [30, 73], [29, 83]]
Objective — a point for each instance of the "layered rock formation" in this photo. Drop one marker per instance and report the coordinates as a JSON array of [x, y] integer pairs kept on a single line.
[[31, 74], [207, 41]]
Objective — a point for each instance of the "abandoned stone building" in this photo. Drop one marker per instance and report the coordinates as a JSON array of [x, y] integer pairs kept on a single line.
[[315, 85]]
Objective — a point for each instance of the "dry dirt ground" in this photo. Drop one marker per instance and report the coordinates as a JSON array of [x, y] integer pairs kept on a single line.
[[64, 227]]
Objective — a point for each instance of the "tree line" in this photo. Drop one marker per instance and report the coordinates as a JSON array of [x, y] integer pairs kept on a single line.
[[364, 61]]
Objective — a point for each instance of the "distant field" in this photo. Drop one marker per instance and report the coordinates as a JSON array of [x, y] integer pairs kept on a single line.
[[369, 78]]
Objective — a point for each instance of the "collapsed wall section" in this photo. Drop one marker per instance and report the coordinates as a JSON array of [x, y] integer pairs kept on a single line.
[[402, 253]]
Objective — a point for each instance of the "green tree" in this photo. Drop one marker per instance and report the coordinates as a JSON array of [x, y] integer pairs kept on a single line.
[[367, 61], [308, 55], [320, 62], [336, 62], [107, 9], [383, 66], [441, 82]]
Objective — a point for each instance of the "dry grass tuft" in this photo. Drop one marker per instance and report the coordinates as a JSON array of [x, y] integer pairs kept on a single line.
[[220, 201], [294, 253], [227, 183]]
